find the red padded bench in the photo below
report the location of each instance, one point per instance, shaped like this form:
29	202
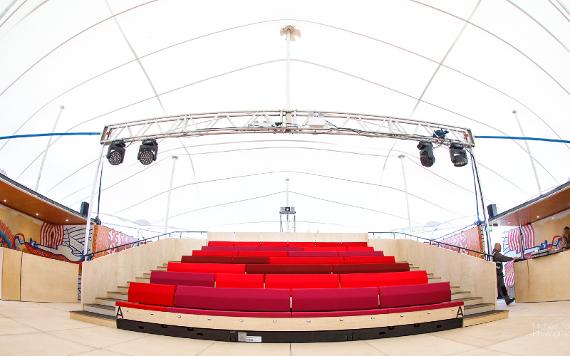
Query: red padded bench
262	253
224	253
405	296
288	269
206	267
371	268
182	278
369	259
306	260
301	281
152	294
271	302
236	280
315	300
222	259
353	280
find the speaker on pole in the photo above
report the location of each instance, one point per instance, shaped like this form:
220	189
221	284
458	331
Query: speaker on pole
492	210
84	208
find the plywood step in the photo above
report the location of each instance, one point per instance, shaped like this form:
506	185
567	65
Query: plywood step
485	317
459	294
99	309
93	318
469	301
479	308
120	294
110	302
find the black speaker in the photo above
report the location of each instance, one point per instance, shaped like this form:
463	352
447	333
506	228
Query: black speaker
492	210
84	208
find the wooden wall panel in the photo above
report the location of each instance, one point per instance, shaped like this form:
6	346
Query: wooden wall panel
48	280
11	267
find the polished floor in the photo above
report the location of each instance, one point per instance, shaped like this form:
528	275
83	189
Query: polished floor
45	329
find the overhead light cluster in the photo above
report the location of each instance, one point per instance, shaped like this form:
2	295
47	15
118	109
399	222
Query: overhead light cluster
457	152
148	152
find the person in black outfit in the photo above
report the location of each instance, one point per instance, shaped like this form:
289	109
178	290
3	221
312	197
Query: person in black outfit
499	258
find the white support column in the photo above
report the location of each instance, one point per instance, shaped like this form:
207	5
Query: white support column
401	157
174	158
93	192
529	153
290	33
47	148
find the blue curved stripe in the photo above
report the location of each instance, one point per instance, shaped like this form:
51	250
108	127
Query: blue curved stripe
525	138
6	239
51	134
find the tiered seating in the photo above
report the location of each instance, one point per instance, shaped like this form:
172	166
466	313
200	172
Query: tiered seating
287	280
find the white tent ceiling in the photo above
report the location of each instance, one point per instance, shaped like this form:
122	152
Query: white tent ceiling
465	63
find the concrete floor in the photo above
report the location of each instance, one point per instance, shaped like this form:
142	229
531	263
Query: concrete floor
45	329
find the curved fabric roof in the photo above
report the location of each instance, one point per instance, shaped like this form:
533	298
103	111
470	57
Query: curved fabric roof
466	63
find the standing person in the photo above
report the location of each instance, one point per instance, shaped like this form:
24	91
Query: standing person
499	258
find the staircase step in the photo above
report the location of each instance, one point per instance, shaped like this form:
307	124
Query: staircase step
485	317
479	308
142	279
120	294
146	275
110	302
93	318
123	288
161	268
468	301
459	294
99	309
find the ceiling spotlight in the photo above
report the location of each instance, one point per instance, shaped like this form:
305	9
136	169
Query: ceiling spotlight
116	152
148	152
458	155
426	153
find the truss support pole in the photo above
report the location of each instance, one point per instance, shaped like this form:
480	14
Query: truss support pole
290	33
401	157
174	158
91	198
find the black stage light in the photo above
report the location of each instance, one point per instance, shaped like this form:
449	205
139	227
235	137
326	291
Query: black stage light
148	152
458	155
116	152
426	153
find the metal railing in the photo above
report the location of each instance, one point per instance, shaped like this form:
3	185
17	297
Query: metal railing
201	235
402	235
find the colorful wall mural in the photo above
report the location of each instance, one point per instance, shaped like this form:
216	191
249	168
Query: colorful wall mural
61	242
106	238
470	238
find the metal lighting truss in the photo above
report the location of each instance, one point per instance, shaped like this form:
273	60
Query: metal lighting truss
282	121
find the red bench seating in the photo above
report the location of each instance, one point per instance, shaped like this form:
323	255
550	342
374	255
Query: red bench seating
206	267
369	259
152	294
301	281
371	268
182	278
353	280
405	296
236	280
235	299
334	299
224	259
306	260
288	269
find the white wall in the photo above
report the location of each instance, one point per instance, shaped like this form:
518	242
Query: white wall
107	272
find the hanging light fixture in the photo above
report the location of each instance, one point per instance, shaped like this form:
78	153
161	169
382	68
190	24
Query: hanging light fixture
148	152
458	155
116	152
426	153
